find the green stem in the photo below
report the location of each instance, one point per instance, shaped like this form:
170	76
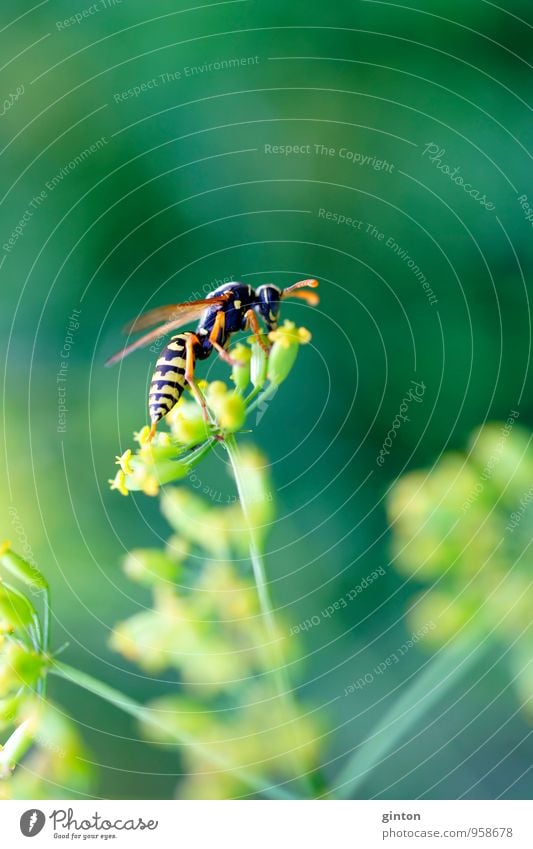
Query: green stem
281	679
46	617
17	746
255	552
439	676
197	454
260	384
267	393
45	637
253	394
150	717
46	631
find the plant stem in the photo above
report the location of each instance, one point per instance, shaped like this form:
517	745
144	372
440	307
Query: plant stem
150	717
256	558
46	617
46	633
197	454
267	393
440	674
282	683
17	746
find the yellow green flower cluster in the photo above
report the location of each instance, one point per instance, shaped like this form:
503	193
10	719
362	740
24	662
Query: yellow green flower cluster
36	731
205	623
462	529
23	663
57	763
195	630
284	739
173	453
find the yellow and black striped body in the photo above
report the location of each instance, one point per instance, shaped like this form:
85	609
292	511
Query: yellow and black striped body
168	381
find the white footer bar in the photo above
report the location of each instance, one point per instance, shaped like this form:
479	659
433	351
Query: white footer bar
268	825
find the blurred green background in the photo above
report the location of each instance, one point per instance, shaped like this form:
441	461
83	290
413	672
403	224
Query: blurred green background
184	190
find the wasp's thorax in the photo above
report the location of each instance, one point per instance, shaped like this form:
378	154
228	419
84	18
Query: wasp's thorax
268	304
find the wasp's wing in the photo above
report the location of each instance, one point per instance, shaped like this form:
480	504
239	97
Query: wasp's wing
144	340
181	314
188	311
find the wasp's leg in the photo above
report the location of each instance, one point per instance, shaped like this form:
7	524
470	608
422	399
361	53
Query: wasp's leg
152	432
255	327
218	327
193	340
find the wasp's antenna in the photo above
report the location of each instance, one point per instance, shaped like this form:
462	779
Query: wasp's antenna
294	292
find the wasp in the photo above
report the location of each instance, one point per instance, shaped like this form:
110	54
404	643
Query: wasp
230	308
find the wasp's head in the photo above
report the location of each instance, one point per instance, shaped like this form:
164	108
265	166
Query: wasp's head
268	304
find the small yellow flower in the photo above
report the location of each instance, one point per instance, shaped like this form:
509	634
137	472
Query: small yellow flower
189	427
216	390
150	485
142	436
4	547
147	452
119	482
289	334
287	340
241	353
172	415
201	384
124	461
231	412
228	407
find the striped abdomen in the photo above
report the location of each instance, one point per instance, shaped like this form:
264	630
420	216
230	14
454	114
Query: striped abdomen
168	380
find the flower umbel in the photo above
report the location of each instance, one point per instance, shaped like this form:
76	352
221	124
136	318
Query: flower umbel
171	455
454	527
212	619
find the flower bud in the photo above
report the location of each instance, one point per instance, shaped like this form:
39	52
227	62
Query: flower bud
119	483
19	667
441	615
188	425
175	716
9	709
154	464
240	373
177	549
215	390
196	521
258	366
19	568
149	565
184	511
57	757
124	461
16	612
501	453
143	436
287	340
234	598
156	639
228	407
